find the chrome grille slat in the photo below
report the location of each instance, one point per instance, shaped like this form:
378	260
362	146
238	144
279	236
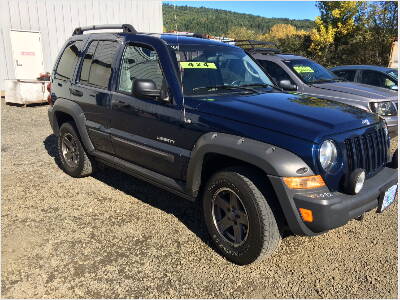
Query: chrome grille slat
368	151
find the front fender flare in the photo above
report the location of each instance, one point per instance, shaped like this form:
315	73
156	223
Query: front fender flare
271	159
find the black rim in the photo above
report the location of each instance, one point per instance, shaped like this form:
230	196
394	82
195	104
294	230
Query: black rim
230	216
69	150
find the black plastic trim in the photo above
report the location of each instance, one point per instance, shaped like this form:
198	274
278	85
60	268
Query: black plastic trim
167	183
271	159
75	111
330	210
166	156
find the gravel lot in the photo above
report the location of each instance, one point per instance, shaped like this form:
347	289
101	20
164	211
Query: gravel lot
114	236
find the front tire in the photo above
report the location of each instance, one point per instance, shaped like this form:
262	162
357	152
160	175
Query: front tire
239	220
72	155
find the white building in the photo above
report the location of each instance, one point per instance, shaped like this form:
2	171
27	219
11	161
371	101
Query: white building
32	31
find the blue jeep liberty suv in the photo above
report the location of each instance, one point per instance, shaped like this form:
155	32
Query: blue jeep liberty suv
201	119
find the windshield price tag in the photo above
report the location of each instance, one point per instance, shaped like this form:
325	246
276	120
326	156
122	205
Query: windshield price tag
303	69
197	65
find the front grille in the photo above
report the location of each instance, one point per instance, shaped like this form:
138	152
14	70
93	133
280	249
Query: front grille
368	151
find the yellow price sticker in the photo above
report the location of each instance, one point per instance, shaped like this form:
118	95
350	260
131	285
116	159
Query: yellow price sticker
303	69
197	65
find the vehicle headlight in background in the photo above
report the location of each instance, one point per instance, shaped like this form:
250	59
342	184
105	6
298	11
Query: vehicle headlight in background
385	108
327	154
385	128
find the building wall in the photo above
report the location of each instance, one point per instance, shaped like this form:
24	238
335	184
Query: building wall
56	20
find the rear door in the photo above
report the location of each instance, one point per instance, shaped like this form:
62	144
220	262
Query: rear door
92	90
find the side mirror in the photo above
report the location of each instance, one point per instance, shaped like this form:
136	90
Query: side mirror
146	88
287	85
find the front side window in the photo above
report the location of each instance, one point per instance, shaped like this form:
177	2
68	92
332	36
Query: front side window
377	79
310	72
217	69
96	66
69	58
139	62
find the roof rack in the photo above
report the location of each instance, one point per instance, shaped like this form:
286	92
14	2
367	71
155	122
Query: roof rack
254	46
127	28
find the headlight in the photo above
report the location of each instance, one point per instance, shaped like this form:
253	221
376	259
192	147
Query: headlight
327	154
385	108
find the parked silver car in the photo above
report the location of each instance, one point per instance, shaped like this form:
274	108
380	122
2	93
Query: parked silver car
298	74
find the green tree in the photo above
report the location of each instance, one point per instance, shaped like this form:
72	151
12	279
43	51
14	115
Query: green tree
241	33
354	32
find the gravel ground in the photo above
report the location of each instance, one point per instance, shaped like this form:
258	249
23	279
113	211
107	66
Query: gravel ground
114	236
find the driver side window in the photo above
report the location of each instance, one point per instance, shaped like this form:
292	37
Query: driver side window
139	62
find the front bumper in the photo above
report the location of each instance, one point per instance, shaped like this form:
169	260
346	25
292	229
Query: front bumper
330	209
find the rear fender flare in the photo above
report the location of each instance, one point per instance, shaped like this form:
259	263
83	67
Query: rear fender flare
75	111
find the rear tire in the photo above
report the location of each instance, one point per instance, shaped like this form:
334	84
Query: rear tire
239	219
72	155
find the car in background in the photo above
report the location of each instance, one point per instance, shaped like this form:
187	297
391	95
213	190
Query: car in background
367	74
299	75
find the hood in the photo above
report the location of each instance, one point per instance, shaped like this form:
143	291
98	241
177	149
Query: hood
304	117
358	89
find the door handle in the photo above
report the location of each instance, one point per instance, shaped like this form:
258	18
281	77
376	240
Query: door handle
76	92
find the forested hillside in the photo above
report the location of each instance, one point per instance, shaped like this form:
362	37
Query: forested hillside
219	22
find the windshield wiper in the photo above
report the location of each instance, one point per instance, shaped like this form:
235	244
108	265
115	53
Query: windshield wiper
262	85
322	80
224	87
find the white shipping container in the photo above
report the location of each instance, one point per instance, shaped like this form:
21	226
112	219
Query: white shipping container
25	91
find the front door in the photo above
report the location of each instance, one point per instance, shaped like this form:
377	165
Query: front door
27	54
145	130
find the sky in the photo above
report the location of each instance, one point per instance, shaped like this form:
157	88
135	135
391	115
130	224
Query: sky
270	9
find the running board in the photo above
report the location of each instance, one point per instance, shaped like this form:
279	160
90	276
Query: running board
176	187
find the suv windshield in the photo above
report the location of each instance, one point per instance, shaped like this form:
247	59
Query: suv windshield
218	69
311	72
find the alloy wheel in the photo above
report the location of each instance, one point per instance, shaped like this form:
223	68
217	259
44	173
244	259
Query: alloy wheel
230	216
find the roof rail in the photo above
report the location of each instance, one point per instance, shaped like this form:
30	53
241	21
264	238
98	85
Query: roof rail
254	46
128	28
189	34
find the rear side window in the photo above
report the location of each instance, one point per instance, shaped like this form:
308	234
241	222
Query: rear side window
66	64
87	62
346	74
96	66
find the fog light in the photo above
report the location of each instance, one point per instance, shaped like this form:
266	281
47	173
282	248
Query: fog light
356	181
